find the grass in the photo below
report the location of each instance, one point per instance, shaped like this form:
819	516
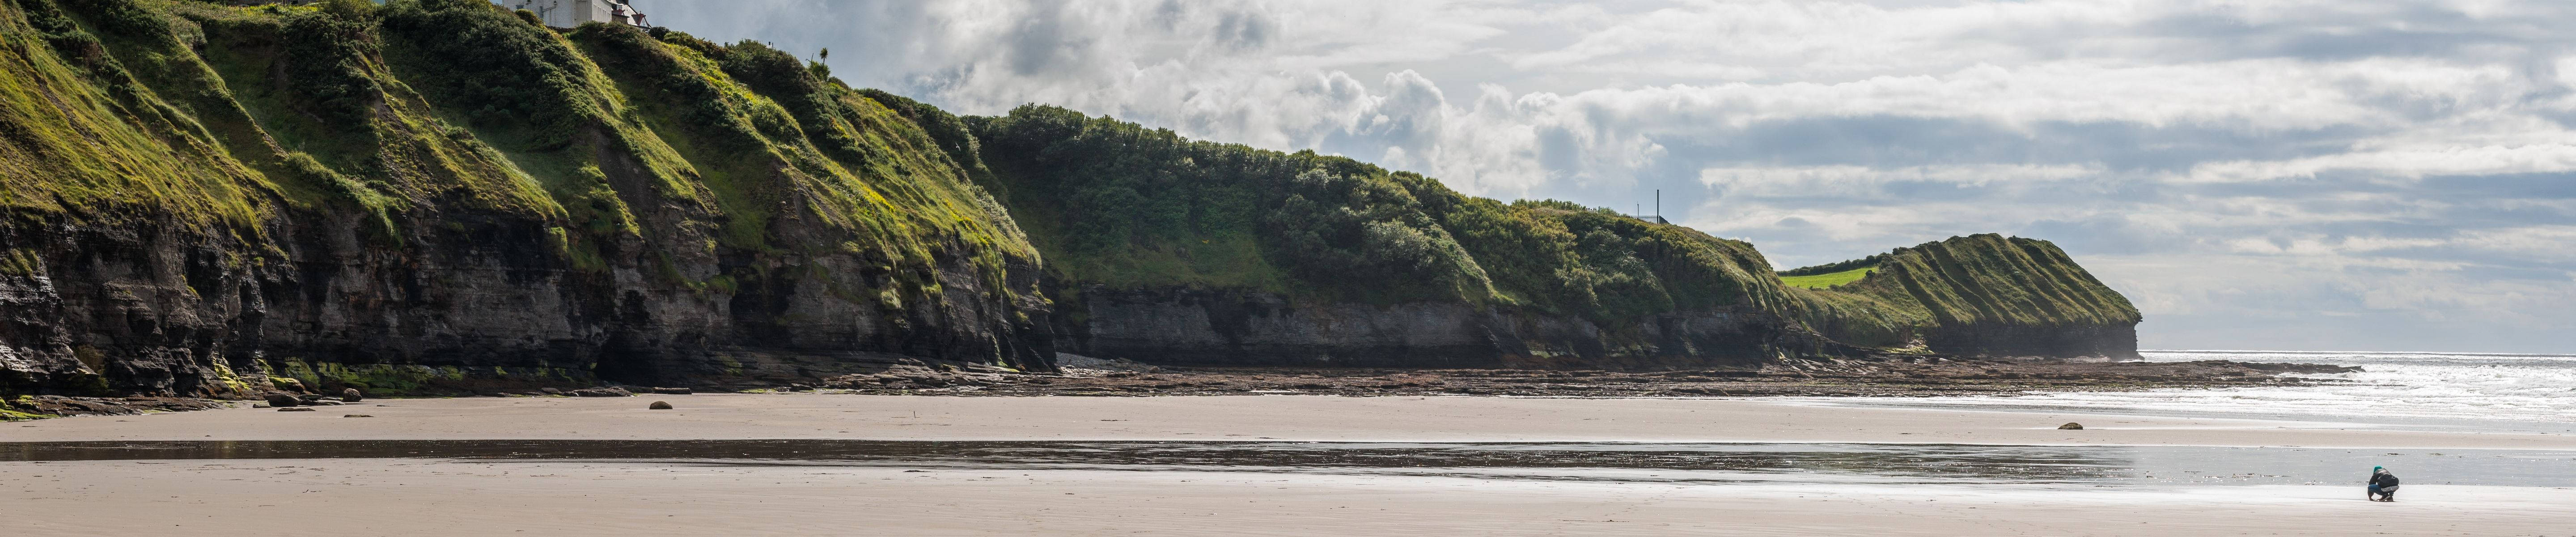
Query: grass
1830	279
740	167
79	135
1116	204
729	169
1982	279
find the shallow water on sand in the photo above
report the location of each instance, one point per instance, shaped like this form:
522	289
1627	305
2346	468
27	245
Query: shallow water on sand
2414	390
1599	462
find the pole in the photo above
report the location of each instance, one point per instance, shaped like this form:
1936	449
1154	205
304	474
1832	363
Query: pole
1659	203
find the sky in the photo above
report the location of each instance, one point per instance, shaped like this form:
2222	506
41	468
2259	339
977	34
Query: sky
2286	174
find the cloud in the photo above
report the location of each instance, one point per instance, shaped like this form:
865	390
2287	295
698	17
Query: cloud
2283	174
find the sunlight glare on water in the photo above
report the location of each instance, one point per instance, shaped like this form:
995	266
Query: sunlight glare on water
2510	387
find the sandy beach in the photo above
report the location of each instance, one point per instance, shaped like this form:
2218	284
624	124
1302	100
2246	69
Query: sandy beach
1307	418
378	496
425	498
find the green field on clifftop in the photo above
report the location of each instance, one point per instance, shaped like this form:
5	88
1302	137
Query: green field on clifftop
1830	279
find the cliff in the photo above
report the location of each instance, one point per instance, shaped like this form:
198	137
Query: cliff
1979	294
1174	251
439	195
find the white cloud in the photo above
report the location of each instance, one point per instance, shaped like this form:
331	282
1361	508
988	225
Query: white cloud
2291	161
2410	163
1845	179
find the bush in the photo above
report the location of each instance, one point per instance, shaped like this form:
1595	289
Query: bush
494	67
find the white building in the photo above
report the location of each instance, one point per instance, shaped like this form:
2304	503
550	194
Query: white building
570	13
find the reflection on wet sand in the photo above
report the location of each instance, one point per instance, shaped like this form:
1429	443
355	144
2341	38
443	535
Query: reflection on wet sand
1627	462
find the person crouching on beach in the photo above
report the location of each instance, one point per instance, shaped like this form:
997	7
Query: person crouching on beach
2383	485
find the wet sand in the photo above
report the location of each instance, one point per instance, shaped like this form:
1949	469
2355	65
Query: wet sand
399	497
1312	418
479	497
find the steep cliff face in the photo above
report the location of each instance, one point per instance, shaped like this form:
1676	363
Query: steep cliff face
440	196
1181	326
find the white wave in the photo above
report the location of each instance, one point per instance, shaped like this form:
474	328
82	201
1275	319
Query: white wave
2518	387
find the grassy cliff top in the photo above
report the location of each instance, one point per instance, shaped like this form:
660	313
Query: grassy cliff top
1118	204
1976	279
1827	279
218	118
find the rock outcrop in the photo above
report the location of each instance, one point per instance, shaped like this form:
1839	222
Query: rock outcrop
1236	328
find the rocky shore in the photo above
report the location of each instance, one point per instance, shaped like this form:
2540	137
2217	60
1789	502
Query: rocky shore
55	406
1884	376
1881	376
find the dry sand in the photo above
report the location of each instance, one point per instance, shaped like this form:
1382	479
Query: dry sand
426	497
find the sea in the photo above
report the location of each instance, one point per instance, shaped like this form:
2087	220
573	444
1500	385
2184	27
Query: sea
2412	390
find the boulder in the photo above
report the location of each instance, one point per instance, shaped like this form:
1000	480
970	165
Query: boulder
2071	426
602	392
673	391
296	409
658	405
550	391
282	400
352	395
322	402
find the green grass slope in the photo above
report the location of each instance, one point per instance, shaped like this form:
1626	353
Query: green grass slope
1976	280
751	183
223	116
80	133
1117	204
643	160
1829	279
